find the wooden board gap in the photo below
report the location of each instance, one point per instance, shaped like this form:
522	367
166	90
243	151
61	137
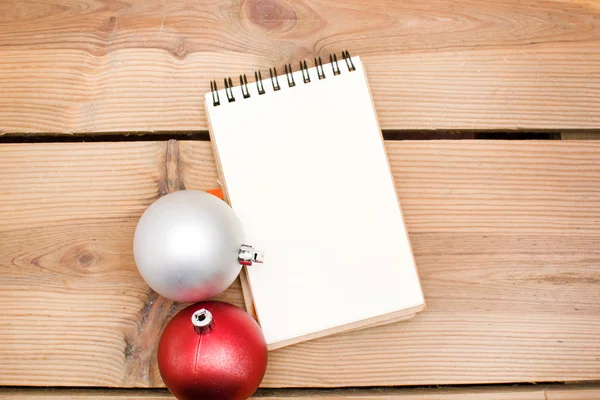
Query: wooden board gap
204	136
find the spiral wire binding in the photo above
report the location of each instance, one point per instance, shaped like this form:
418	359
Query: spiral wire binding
334	64
244	85
305	75
290	76
259	85
215	93
348	60
319	67
274	79
333	60
228	89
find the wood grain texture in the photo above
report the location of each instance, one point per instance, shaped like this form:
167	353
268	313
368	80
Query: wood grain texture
574	393
487	393
77	394
506	238
74	310
136	65
541	392
506	241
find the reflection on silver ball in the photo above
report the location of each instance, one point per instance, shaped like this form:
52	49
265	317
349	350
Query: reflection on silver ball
186	246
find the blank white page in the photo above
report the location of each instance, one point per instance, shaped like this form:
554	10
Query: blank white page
305	169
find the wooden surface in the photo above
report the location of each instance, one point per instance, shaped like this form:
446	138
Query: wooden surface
143	65
574	394
73	309
506	238
482	393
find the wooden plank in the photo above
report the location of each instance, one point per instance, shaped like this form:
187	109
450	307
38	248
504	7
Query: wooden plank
77	394
506	238
136	65
491	393
74	310
50	394
579	392
574	393
507	263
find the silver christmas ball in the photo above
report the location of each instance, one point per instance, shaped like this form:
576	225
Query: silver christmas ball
186	246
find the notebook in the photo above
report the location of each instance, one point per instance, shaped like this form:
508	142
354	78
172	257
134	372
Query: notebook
303	164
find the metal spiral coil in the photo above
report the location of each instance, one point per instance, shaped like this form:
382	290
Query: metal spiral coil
318	66
228	89
306	78
244	85
259	85
289	75
348	60
305	74
334	64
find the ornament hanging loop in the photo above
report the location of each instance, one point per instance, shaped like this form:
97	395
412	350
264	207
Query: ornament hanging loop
202	321
249	255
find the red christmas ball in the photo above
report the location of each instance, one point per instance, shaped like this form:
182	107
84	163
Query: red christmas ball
210	351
